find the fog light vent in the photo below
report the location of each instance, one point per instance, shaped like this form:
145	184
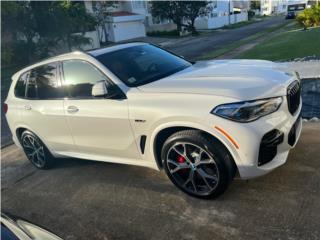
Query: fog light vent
268	146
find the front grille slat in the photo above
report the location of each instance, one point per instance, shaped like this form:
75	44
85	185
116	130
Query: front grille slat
293	96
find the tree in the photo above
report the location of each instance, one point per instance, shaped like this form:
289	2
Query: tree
192	10
18	31
255	5
32	29
310	16
74	19
182	13
101	12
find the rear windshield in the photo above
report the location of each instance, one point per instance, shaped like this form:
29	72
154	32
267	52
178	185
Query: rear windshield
138	65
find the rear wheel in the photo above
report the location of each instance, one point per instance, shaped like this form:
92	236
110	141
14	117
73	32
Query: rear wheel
36	151
197	166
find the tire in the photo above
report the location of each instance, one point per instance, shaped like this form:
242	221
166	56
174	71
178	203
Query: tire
36	151
197	165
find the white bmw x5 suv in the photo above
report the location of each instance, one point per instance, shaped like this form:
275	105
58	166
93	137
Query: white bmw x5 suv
138	104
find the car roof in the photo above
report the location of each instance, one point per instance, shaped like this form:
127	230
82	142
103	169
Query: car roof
101	51
77	54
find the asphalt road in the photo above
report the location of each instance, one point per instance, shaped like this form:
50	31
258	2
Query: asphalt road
196	46
90	200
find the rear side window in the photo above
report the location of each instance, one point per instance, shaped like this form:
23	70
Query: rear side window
44	83
20	88
80	77
32	89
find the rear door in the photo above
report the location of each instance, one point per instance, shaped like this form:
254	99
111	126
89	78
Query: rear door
42	110
100	126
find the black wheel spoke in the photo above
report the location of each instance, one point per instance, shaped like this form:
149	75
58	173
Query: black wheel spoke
192	168
34	150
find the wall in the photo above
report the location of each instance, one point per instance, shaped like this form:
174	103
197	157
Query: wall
217	22
241	17
161	27
121	31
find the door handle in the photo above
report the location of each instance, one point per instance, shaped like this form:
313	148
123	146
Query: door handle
72	109
27	107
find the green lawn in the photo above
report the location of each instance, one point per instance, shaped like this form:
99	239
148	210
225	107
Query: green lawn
287	45
216	53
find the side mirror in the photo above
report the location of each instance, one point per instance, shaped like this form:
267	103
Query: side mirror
99	89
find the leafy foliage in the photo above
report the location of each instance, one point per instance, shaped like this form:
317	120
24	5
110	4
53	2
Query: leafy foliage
255	5
182	13
33	29
310	16
101	10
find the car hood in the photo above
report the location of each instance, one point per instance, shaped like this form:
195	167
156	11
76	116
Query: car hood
241	79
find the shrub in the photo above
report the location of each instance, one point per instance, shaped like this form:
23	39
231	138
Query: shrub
310	17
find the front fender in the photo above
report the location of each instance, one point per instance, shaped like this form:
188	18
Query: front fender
193	125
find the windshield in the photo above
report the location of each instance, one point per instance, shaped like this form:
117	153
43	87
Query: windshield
138	65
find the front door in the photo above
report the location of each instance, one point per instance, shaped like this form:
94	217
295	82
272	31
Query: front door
100	127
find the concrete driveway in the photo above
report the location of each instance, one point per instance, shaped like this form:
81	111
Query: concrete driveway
89	200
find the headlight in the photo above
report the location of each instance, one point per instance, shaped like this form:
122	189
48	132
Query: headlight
248	111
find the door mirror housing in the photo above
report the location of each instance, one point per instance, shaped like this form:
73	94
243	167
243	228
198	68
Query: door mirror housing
99	89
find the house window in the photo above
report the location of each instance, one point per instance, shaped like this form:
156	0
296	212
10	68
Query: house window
138	4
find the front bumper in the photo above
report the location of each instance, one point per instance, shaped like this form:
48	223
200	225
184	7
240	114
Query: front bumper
249	136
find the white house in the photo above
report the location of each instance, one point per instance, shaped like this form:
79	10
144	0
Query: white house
268	7
132	19
128	19
298	5
124	20
223	13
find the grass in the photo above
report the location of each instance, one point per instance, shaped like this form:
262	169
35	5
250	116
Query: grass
235	45
287	45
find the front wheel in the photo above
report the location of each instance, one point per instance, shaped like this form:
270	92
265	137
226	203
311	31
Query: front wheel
36	151
198	166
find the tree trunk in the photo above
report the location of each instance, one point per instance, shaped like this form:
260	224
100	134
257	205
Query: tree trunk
179	27
192	28
29	46
69	43
105	32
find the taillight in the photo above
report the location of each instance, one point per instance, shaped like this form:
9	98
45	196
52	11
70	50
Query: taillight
5	108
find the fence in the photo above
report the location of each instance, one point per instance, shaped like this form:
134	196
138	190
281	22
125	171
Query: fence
220	21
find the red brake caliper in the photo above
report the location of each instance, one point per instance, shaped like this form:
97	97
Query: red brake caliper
181	159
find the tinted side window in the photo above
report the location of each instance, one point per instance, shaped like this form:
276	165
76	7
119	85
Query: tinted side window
20	88
32	88
80	77
44	83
